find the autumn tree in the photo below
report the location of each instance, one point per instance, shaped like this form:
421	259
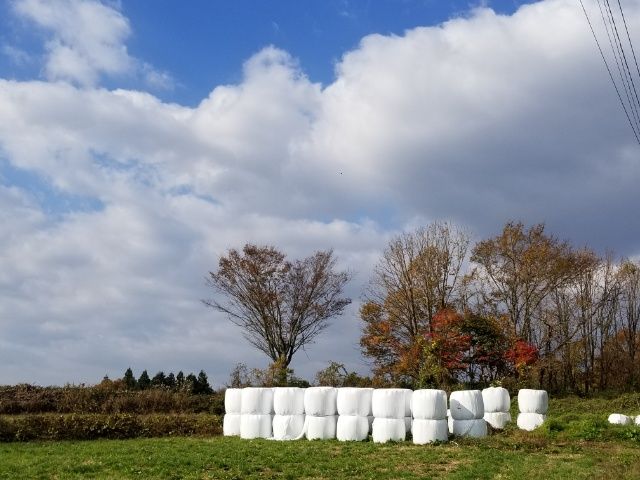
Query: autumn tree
280	305
629	277
418	275
521	267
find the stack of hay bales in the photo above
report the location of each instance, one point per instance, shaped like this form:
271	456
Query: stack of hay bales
533	406
619	419
429	409
288	405
389	406
257	409
232	412
496	407
467	411
354	408
320	410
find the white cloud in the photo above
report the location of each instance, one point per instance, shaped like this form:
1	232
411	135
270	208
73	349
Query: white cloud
480	120
86	39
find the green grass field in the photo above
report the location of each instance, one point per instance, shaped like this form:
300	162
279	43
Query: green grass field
575	443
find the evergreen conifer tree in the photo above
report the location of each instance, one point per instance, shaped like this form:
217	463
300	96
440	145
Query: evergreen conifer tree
144	381
129	380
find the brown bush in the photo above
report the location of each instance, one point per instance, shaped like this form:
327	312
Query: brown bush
116	426
110	398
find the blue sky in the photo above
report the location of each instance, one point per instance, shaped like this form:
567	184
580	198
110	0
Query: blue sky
141	140
204	43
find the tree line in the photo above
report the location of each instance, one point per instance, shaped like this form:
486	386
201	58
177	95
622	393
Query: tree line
521	307
192	384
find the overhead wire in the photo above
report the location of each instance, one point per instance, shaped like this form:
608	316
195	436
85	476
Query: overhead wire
633	93
624	21
604	59
617	56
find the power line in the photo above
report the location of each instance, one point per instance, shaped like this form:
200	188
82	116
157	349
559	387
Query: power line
625	66
617	56
604	59
624	21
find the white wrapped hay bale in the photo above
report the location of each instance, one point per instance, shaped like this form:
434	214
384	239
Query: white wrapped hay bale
530	421
354	401
288	401
389	429
496	399
231	425
533	401
255	426
429	404
321	428
497	420
389	403
352	428
637	421
475	428
257	401
429	431
619	419
320	401
287	427
233	400
466	405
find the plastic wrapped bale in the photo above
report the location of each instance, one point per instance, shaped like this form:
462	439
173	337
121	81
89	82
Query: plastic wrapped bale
352	428
475	428
619	419
257	401
496	399
233	400
429	404
321	428
388	430
389	403
255	426
429	431
354	401
530	421
637	421
497	420
533	401
320	401
231	425
288	401
287	427
466	405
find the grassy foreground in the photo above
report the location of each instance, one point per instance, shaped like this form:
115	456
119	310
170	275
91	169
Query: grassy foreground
576	442
218	457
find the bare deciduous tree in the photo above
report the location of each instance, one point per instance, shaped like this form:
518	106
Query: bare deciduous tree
522	267
280	305
418	275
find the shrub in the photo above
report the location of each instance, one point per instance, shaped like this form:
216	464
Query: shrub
115	426
107	397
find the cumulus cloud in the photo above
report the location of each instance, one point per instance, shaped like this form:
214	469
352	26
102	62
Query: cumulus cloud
480	120
86	39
